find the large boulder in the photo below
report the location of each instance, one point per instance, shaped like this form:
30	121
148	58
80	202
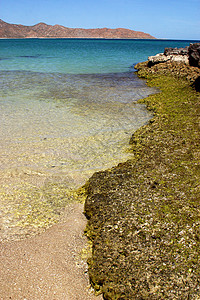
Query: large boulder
194	54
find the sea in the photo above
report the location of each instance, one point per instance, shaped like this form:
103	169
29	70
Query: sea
68	108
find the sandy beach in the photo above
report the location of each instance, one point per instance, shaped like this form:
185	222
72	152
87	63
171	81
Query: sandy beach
49	265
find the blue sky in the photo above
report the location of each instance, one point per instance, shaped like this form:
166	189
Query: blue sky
172	19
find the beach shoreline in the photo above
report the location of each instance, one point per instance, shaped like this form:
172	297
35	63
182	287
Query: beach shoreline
124	264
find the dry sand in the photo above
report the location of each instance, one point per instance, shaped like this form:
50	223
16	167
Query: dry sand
49	265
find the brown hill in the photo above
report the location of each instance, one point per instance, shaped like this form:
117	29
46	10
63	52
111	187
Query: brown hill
42	30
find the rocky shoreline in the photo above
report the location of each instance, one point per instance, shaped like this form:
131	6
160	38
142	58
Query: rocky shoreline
182	62
143	215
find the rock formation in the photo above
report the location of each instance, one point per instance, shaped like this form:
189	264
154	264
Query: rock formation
182	62
170	54
188	55
42	30
194	54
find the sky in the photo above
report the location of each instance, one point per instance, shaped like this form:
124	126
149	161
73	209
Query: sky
171	19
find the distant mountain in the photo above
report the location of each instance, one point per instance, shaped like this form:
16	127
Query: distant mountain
42	30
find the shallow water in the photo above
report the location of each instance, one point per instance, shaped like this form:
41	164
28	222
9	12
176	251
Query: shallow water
68	124
67	109
58	129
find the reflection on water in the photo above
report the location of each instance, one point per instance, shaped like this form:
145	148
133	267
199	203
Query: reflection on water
56	130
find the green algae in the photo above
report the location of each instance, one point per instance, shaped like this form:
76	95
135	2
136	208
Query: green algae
143	215
28	209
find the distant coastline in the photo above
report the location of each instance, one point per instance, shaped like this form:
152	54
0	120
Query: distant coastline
42	30
94	38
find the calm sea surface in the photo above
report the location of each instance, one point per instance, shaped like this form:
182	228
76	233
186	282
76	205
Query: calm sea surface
67	108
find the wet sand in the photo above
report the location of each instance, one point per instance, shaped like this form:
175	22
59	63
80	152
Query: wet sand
49	265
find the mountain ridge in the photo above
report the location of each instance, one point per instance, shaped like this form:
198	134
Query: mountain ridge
43	30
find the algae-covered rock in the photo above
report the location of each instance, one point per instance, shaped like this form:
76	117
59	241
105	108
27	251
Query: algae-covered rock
180	70
182	62
143	215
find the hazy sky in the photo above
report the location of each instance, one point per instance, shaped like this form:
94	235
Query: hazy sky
173	19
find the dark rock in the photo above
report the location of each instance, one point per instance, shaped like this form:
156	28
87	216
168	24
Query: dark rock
197	84
194	54
176	51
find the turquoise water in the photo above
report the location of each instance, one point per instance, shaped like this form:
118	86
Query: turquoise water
78	56
67	109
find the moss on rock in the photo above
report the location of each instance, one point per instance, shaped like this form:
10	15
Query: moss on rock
143	215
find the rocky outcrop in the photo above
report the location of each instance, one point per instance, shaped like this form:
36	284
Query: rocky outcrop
194	55
162	58
179	70
176	51
188	55
170	54
182	62
42	30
